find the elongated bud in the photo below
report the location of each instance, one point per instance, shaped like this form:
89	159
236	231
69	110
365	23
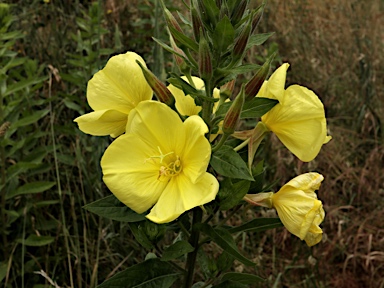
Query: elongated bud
238	12
179	60
171	20
233	114
241	43
227	89
197	24
161	91
257	17
205	60
253	86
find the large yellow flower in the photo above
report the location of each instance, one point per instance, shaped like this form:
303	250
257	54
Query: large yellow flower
112	93
297	205
185	104
299	209
160	162
298	120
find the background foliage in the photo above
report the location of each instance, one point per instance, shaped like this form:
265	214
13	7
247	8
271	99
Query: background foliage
49	169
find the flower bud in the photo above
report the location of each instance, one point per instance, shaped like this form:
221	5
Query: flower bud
161	91
241	43
253	86
197	24
179	60
205	61
258	14
227	89
238	12
171	21
233	114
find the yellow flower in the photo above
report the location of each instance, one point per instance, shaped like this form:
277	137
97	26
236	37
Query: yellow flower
160	162
297	206
185	104
298	120
112	93
299	209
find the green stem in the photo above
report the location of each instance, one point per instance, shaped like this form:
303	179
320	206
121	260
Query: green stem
221	142
242	145
207	105
194	241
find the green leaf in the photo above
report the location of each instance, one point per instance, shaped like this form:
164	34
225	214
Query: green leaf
140	235
36	241
177	250
228	163
257	107
222	238
257	225
231	194
230	284
258	39
30	119
223	35
225	261
3	270
242	278
152	273
110	207
183	39
31	188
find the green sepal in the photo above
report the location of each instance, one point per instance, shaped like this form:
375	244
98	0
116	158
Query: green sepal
228	163
224	239
110	207
150	273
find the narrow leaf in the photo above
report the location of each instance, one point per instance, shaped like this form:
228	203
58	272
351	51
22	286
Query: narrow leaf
31	188
258	39
233	193
222	238
257	225
257	107
177	250
30	119
224	35
242	278
228	163
110	207
36	241
152	273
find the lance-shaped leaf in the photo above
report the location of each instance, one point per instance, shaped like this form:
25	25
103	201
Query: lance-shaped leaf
257	225
223	36
258	39
242	278
231	194
222	238
177	250
110	207
150	273
228	163
30	188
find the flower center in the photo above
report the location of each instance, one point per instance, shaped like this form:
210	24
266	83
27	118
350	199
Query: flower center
170	164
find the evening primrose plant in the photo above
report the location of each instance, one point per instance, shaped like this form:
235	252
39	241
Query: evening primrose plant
181	162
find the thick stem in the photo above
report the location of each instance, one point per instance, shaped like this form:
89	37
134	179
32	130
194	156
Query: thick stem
207	105
194	241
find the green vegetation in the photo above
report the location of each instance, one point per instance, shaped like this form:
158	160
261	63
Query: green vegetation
49	169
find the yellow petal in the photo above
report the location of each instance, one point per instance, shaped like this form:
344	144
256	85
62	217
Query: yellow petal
120	85
197	150
157	125
130	174
276	83
103	122
308	182
299	123
185	104
181	195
